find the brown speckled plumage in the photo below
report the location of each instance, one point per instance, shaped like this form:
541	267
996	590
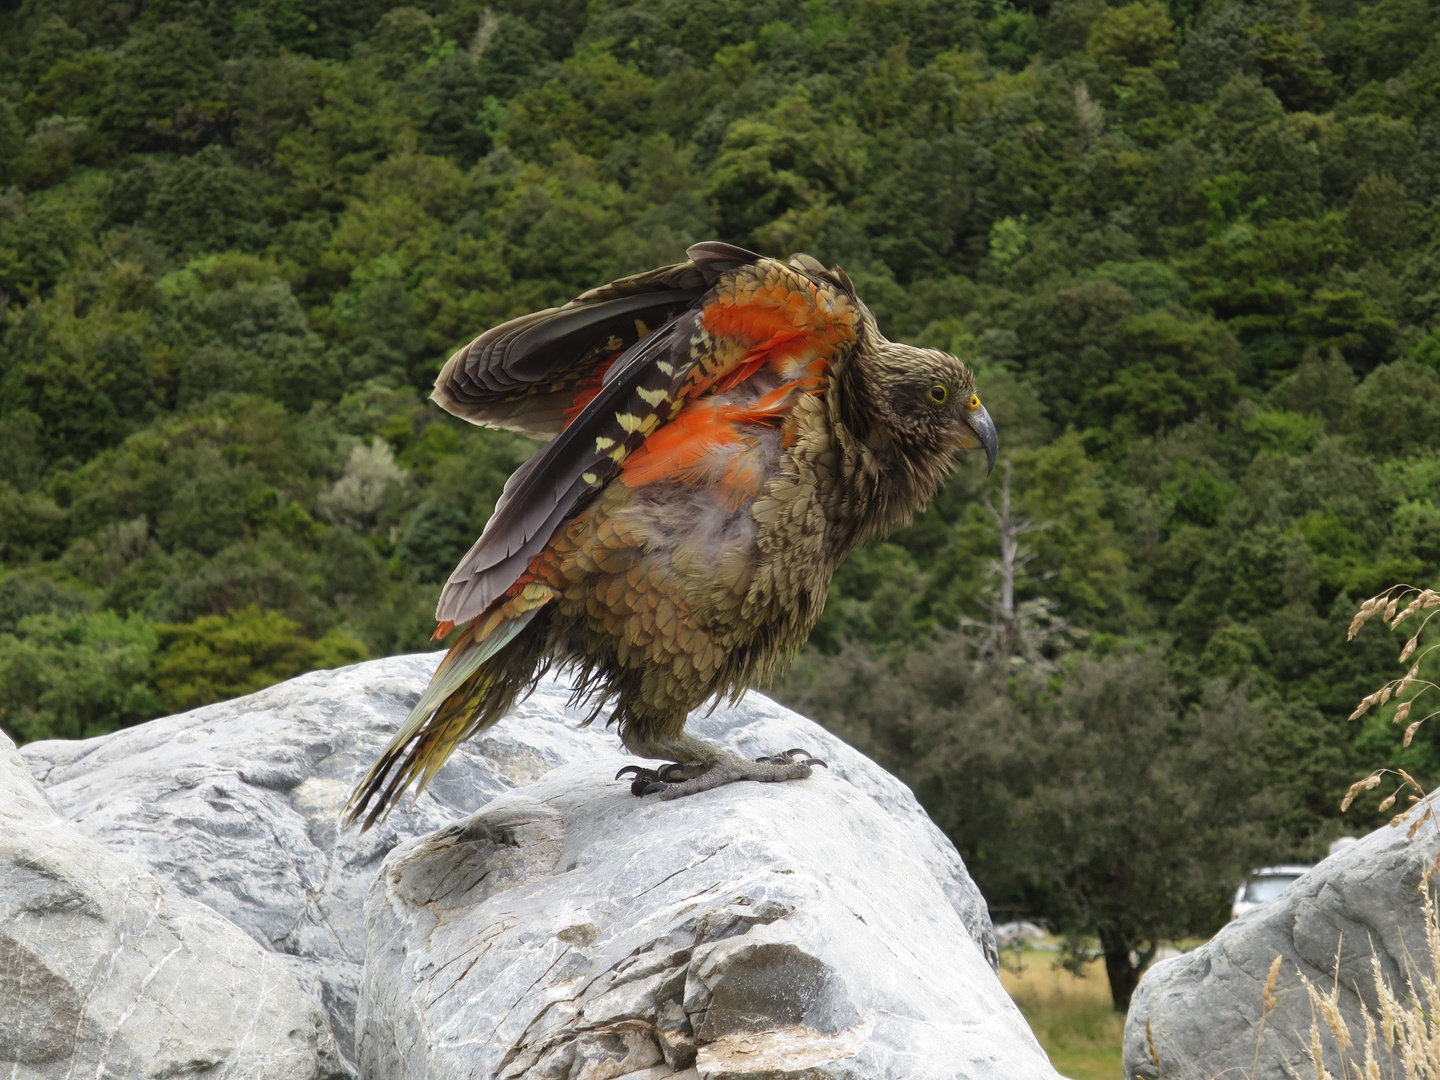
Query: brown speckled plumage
726	430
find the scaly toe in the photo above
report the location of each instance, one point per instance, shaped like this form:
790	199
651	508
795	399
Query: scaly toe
731	768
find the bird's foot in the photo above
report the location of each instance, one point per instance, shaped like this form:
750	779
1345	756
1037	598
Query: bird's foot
678	780
651	781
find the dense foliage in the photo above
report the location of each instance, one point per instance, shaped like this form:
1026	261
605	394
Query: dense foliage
1193	249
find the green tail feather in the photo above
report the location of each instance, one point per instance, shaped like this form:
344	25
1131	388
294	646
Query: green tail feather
431	731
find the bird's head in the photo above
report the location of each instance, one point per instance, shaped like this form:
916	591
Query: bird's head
928	401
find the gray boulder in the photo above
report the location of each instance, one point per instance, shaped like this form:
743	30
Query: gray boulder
236	804
754	932
1203	1008
103	971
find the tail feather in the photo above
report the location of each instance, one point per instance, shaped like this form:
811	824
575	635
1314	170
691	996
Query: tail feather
459	701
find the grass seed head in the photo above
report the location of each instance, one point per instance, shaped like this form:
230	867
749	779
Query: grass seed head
1364	706
1369	783
1424	889
1425	816
1361	618
1267	995
1367	610
1317	1053
1372	1066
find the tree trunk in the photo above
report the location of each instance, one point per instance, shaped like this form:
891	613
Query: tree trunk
1123	974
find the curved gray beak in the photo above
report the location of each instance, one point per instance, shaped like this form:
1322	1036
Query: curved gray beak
984	429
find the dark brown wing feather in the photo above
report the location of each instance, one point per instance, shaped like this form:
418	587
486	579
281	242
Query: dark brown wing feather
524	375
546	489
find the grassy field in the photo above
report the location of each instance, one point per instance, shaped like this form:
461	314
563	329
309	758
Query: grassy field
1072	1017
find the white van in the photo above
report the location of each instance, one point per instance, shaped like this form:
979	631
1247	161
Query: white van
1264	885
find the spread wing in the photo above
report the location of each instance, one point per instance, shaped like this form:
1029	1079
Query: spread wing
751	311
534	373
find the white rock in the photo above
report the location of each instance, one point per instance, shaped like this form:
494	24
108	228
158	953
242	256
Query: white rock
236	804
756	931
1016	935
1204	1007
104	972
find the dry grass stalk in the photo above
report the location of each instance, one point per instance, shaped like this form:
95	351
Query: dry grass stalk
1372	1066
1267	993
1389	601
1150	1039
1416	794
1329	1006
1426	815
1405	1022
1267	1004
1317	1053
1410	687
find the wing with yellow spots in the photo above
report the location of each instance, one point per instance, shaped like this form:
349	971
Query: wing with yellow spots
755	312
534	373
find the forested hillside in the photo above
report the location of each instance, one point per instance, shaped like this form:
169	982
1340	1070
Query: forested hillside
1193	250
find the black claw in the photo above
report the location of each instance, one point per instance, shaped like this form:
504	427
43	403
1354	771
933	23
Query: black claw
664	771
652	788
789	757
636	769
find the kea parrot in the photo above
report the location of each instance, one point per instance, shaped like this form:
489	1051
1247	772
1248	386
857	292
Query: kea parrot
721	433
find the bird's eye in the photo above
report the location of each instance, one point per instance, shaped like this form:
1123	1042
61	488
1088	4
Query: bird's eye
938	393
973	403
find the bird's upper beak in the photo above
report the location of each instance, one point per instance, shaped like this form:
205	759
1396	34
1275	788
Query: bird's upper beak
984	428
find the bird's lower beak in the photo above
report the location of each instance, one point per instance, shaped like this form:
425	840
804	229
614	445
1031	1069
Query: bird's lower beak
984	429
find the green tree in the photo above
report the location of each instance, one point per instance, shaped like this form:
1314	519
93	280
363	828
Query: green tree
208	204
76	676
1092	795
165	91
223	656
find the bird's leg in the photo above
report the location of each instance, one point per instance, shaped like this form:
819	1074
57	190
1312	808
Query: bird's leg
700	766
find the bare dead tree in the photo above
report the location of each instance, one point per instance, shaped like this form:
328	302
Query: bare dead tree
1015	629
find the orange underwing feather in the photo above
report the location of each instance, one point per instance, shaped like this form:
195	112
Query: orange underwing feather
589	391
778	328
706	444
